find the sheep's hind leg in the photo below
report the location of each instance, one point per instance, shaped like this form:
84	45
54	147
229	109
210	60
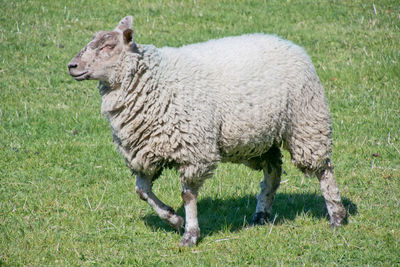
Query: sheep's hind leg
331	193
272	176
144	190
192	230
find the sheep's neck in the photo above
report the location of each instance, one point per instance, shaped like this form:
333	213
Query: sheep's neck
134	105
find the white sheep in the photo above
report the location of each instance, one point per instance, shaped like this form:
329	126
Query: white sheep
236	99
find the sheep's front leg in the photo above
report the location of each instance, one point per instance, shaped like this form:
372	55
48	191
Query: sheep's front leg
144	190
192	230
331	193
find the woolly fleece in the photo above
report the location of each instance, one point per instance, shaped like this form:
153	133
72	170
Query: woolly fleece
223	100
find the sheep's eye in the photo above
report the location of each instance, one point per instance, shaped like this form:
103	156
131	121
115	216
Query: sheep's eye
108	47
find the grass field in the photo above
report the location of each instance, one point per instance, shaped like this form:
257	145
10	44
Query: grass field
66	197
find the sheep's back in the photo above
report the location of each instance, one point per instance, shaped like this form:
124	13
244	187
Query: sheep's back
248	83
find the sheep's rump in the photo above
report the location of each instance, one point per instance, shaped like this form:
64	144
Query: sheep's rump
257	90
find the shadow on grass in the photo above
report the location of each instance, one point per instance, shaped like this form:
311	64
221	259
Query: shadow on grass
233	214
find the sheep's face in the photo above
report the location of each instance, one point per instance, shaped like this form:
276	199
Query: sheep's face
98	58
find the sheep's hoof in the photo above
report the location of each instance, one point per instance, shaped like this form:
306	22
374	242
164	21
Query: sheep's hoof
176	222
190	238
338	218
260	218
173	219
335	223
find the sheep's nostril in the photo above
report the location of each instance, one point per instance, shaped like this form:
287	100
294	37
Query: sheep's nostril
72	65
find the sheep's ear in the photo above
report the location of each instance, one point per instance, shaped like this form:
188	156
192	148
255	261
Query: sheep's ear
128	37
124	24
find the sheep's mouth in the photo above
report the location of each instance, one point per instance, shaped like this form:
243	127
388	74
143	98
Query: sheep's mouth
80	76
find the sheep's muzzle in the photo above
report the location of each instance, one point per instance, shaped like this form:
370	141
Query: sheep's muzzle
77	70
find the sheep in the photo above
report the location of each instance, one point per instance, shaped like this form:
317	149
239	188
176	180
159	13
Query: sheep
236	99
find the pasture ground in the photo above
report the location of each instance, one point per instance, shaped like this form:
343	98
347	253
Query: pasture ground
66	197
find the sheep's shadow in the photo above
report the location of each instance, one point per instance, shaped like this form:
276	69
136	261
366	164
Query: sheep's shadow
234	214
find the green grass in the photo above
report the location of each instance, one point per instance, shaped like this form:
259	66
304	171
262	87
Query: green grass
66	197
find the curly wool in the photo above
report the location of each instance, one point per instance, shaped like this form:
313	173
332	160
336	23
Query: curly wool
223	100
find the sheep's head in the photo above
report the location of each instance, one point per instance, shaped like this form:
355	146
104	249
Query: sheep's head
100	56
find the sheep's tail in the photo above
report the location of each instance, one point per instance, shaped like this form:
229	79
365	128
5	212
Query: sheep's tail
309	136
